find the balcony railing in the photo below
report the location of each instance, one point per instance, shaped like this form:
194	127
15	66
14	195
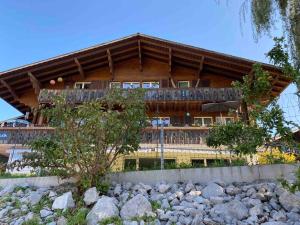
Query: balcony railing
157	94
150	135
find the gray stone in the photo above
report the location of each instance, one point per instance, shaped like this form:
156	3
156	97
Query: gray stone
279	216
163	188
256	210
118	190
274	223
45	212
29	216
7	190
136	207
91	196
62	221
51	223
212	190
64	201
289	200
34	197
103	209
3	212
232	190
234	209
189	186
165	204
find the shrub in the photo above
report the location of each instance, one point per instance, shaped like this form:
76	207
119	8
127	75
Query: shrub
88	138
275	156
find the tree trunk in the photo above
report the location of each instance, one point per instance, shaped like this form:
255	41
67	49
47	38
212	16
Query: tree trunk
295	28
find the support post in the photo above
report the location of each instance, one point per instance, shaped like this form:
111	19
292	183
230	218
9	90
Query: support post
162	145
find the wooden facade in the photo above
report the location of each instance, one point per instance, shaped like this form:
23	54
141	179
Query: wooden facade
188	79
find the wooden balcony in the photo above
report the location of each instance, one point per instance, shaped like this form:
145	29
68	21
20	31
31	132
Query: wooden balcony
158	94
151	135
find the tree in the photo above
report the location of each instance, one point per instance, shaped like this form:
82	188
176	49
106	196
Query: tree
266	118
263	16
88	138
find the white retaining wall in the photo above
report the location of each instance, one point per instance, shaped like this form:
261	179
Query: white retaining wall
200	175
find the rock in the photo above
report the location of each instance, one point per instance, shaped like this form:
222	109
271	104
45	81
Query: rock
7	190
289	200
212	190
216	200
45	212
52	194
234	209
189	186
279	216
163	188
118	190
29	216
274	223
62	221
138	206
51	223
3	212
91	196
103	209
64	201
256	210
232	190
165	204
197	219
34	197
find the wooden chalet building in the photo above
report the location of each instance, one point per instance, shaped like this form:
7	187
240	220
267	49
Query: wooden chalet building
188	89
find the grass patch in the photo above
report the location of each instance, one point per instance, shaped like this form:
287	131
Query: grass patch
155	205
115	220
33	221
9	175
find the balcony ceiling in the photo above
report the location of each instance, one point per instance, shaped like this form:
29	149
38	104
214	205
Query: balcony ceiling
16	81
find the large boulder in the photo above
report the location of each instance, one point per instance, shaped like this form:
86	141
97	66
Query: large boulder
103	209
34	197
64	201
289	201
234	209
212	190
138	206
91	196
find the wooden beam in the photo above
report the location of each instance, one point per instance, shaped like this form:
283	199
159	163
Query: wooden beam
170	61
35	83
200	67
110	63
12	92
140	55
200	71
81	72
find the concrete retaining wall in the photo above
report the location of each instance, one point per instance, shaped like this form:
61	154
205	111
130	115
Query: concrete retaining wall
201	175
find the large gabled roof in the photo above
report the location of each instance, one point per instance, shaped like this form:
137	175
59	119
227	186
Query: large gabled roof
16	81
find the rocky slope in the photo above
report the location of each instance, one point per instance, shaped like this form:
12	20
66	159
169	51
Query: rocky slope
181	203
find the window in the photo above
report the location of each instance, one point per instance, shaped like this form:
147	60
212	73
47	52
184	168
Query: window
196	163
224	120
82	85
129	164
130	85
152	84
158	121
183	84
115	84
203	121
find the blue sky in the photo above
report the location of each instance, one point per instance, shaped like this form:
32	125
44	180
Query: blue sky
34	30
